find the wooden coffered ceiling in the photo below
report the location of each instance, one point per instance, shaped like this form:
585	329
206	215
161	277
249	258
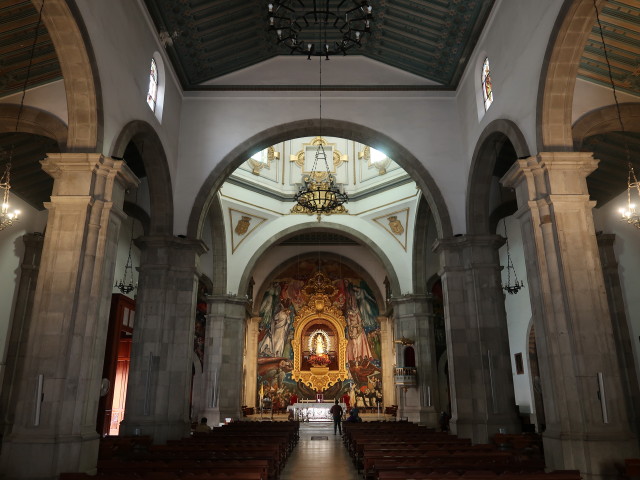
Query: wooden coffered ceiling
429	38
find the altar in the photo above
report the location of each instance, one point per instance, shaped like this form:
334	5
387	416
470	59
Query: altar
314	411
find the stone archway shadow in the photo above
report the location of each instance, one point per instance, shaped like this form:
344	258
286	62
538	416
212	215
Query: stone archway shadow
326	226
306	128
157	170
481	171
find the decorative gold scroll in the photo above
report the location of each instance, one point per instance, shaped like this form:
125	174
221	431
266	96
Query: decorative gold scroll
319	309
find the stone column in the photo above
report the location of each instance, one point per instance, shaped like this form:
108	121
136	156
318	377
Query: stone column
18	336
414	321
159	385
223	357
250	393
624	346
388	361
56	405
587	424
480	376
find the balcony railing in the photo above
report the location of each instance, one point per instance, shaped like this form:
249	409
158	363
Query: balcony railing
406	376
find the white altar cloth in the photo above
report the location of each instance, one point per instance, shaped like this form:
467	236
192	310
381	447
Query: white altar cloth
314	411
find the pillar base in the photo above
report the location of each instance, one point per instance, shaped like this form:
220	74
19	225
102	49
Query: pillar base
593	454
45	457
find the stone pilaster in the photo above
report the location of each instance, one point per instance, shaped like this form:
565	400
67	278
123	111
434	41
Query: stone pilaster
480	376
18	338
624	346
66	338
223	356
250	393
162	350
414	321
388	361
586	418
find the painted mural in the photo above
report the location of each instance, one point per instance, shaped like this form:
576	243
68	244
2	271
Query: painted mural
278	309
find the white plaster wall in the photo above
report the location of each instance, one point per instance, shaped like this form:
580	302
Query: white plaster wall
518	308
123	44
589	96
11	252
50	97
398	258
341	70
628	255
213	123
515	39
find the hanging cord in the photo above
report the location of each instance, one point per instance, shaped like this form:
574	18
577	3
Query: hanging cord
26	80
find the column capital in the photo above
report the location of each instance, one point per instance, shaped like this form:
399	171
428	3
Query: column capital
552	173
73	173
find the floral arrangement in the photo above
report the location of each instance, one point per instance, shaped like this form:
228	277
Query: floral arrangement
319	360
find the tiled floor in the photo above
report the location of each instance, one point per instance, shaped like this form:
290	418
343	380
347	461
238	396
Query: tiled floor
319	454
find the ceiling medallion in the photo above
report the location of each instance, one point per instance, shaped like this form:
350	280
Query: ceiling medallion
308	28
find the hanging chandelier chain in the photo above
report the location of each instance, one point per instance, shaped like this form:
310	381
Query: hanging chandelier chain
31	55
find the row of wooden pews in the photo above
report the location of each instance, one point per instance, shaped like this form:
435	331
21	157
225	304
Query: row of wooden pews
238	451
402	450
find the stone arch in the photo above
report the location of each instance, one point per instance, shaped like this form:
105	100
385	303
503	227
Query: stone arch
305	128
218	248
77	64
420	247
481	171
33	120
157	169
326	226
559	72
328	255
604	120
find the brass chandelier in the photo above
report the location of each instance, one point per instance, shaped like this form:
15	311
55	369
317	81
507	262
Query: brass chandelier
319	192
293	23
7	217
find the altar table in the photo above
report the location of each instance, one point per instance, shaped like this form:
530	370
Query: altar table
314	411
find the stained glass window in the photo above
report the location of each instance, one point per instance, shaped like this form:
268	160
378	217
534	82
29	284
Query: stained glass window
152	94
487	87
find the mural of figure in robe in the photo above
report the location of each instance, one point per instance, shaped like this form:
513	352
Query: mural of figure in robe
280	326
282	300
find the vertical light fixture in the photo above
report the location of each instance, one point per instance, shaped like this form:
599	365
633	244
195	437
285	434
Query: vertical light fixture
125	284
516	286
7	216
319	193
628	213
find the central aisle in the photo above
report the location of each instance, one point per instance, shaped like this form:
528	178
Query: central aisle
319	454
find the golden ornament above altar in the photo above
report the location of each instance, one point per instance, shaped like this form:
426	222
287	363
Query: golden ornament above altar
319	336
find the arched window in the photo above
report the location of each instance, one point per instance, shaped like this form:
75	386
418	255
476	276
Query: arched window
487	87
152	94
